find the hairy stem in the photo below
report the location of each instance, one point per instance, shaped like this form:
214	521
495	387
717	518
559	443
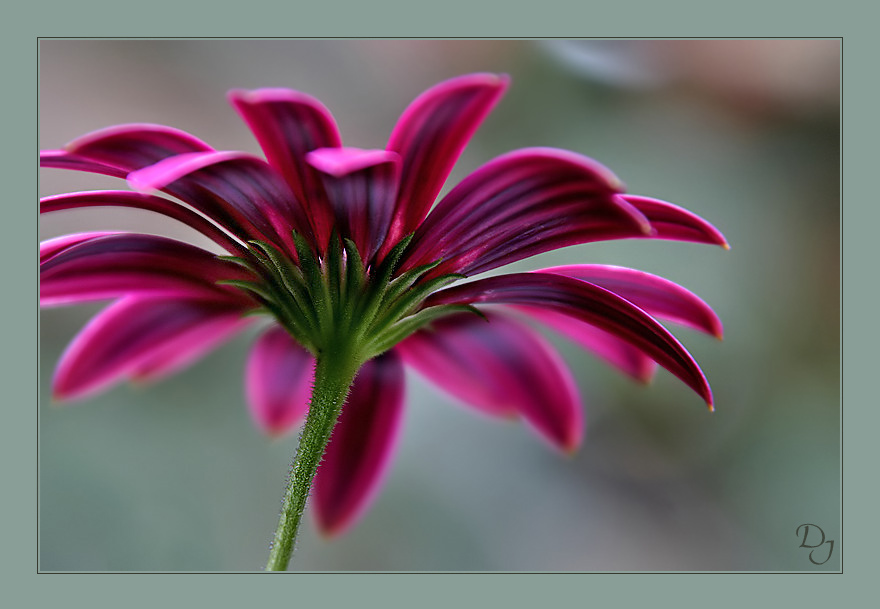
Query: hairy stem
334	373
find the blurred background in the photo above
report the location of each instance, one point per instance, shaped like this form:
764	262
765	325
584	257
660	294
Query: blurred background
744	133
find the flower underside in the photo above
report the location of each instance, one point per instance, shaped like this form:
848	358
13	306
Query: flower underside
351	254
337	303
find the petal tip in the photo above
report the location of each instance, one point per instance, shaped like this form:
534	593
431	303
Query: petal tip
571	448
719	238
235	94
715	327
485	79
138	379
329	533
275	435
63	395
277	431
273	430
568	444
331	528
136	182
710	399
502	81
645	378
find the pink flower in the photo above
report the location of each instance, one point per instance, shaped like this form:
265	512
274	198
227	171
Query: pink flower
340	246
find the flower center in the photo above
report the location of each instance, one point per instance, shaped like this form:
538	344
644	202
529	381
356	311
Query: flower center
337	303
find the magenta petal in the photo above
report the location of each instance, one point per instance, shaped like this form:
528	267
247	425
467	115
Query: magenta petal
657	296
238	191
361	186
619	353
188	347
126	148
588	303
172	169
117	151
430	136
672	222
111	265
51	247
278	380
502	367
288	125
461	363
520	204
63	159
124	198
130	334
340	162
360	449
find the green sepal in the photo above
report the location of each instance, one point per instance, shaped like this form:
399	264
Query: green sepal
404	281
260	255
249	286
407	326
386	268
308	263
293	324
242	262
374	295
290	278
333	261
314	279
335	301
377	299
410	300
309	267
355	274
256	311
286	270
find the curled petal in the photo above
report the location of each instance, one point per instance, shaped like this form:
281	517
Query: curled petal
619	353
588	303
503	368
520	204
358	455
63	159
127	337
125	148
278	380
676	223
288	125
238	191
124	198
657	296
430	136
361	186
51	247
111	265
117	151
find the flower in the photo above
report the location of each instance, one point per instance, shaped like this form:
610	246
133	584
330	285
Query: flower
341	249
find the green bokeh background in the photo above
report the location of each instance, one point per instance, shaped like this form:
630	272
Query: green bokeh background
745	133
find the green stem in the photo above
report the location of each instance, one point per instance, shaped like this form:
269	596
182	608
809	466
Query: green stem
334	374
